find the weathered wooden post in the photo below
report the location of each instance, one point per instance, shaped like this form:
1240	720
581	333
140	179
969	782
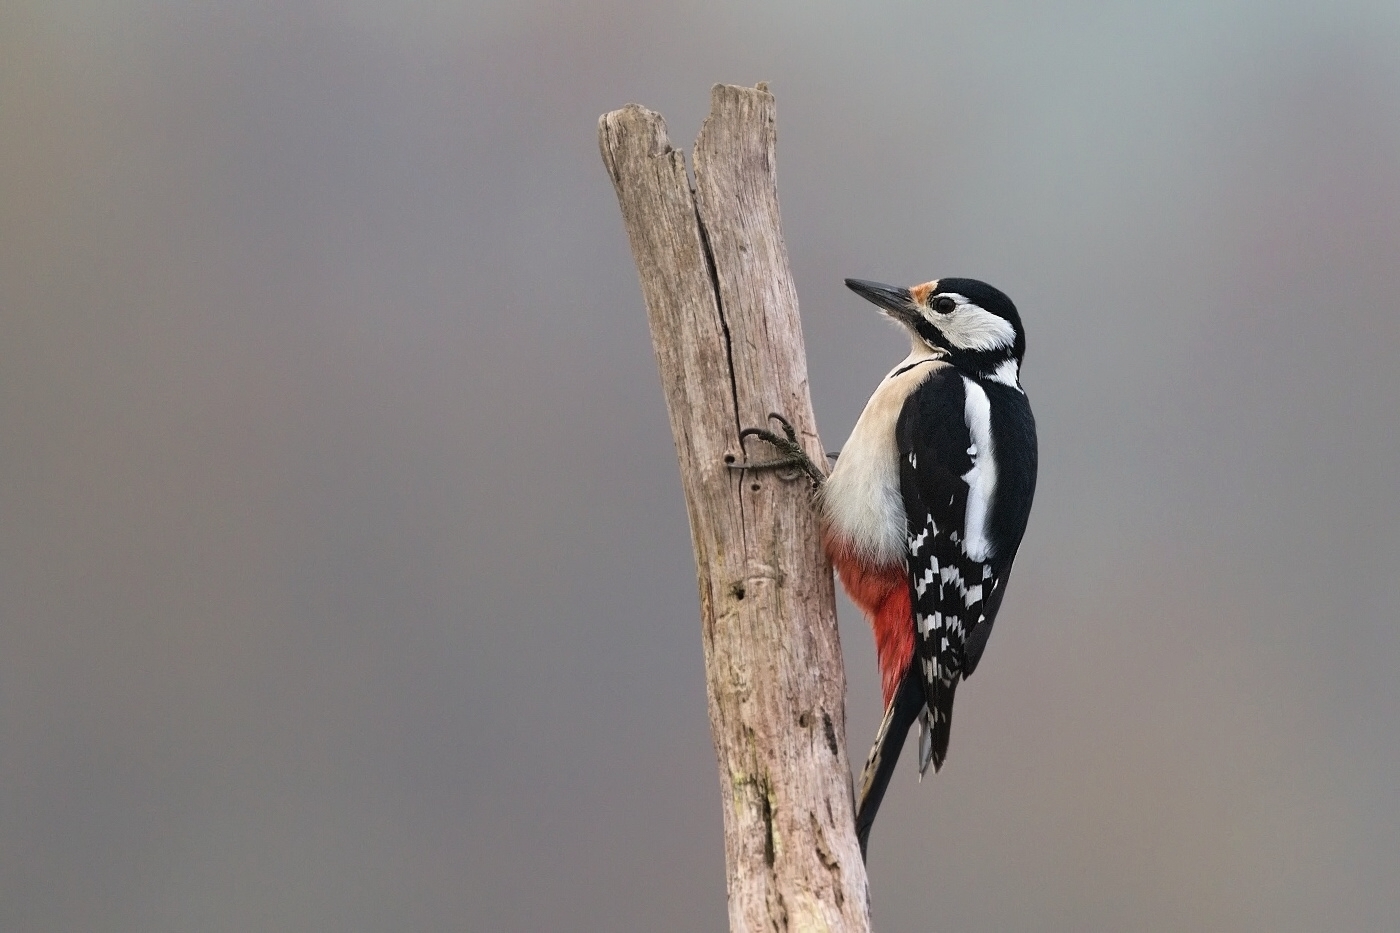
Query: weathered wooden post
723	312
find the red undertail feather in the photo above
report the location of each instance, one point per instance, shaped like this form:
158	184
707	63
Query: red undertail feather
882	593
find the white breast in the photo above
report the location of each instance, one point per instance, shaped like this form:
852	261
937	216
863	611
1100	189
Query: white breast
861	499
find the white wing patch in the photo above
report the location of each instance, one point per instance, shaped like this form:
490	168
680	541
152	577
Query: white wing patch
981	479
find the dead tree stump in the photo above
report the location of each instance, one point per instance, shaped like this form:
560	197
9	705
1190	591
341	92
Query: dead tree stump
723	313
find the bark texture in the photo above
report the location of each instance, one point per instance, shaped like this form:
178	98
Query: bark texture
723	313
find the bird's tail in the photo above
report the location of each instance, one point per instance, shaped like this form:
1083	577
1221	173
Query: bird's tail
936	725
904	708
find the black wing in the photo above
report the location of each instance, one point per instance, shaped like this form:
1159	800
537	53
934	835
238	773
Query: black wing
1017	463
954	597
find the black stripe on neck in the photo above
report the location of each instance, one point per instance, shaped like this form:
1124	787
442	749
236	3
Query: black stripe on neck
904	369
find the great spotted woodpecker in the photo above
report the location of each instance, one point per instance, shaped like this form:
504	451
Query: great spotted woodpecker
927	504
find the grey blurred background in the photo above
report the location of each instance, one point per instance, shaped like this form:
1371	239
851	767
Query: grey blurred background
344	575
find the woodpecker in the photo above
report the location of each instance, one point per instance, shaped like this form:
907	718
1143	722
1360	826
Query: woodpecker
926	506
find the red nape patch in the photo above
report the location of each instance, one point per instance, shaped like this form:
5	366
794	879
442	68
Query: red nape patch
882	593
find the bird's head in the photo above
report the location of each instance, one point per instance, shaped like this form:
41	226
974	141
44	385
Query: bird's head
973	323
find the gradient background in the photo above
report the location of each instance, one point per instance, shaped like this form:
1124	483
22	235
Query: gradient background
344	575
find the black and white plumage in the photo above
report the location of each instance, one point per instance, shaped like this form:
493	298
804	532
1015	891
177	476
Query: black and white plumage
928	503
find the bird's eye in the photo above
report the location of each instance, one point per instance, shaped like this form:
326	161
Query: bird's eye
944	305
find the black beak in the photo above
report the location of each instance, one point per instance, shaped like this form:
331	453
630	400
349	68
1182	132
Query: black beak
897	302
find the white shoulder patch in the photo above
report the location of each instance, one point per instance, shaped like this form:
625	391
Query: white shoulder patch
1008	374
981	479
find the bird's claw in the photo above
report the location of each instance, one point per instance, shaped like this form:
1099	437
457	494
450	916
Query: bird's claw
769	436
793	456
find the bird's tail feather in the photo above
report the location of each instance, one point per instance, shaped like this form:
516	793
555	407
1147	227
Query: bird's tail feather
937	726
904	708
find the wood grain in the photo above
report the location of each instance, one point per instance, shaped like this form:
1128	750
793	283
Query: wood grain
723	312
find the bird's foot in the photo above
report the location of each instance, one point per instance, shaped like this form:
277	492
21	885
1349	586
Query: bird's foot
793	458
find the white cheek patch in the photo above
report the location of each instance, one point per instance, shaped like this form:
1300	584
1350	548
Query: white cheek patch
972	327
